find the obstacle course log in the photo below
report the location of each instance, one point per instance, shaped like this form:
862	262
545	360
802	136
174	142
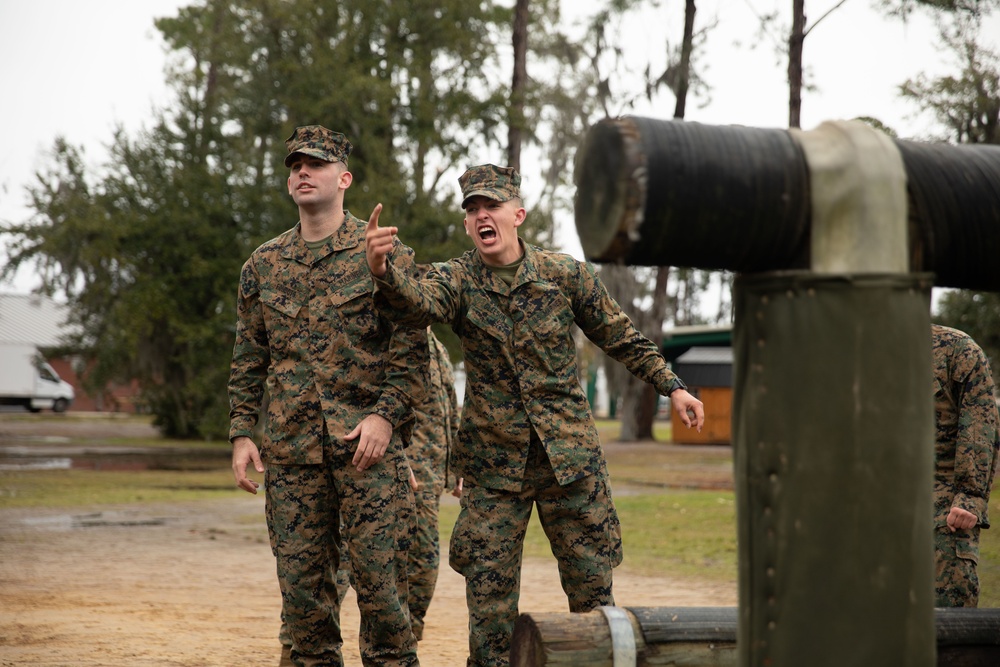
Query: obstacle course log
706	637
685	194
676	193
954	212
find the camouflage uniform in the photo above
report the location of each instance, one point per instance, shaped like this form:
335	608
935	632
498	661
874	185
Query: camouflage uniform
434	431
966	457
527	436
307	329
335	584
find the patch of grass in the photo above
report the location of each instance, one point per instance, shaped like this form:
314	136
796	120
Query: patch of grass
989	555
693	533
109	423
609	430
74	488
221	446
683	533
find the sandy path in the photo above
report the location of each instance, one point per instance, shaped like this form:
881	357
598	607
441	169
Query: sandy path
194	586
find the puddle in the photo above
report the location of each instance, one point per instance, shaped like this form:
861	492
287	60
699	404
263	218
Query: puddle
62	522
48	439
51	456
38	464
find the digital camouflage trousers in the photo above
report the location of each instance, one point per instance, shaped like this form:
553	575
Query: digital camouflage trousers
956	558
582	527
305	507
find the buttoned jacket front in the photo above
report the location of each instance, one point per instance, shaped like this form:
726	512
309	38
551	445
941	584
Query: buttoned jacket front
307	327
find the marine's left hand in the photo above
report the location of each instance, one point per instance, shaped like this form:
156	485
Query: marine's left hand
959	519
373	434
683	402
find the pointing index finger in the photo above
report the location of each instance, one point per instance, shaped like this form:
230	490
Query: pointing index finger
373	220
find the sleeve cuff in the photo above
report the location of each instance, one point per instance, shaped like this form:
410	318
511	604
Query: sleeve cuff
392	409
675	384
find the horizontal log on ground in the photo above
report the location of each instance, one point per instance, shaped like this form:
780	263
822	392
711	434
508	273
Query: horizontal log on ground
654	192
706	637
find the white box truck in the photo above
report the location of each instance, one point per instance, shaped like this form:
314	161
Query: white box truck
27	379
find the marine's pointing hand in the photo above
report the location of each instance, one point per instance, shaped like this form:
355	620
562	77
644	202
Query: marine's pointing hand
378	243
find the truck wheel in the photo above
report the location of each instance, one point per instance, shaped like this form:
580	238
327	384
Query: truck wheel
60	405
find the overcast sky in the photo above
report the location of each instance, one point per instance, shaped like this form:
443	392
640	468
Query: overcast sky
78	68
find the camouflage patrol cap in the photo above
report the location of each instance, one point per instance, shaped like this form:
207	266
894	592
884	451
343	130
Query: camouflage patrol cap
317	141
489	180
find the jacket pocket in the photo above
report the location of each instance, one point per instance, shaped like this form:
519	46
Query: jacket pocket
355	308
281	316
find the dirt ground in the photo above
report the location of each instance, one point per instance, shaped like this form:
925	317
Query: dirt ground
193	585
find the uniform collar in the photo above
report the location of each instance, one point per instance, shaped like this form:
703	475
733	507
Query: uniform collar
349	235
526	273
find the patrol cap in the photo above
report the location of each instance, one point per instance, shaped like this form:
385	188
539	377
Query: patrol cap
317	141
489	180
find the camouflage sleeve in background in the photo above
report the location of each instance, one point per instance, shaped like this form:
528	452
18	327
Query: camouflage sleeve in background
966	450
432	440
448	379
406	378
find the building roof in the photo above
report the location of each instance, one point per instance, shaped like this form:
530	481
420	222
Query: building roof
679	340
707	355
31	318
706	367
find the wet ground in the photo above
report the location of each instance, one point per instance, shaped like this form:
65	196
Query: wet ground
90	441
99	441
192	584
55	456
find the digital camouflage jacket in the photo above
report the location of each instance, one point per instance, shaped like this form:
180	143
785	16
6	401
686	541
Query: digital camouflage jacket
308	329
520	357
965	412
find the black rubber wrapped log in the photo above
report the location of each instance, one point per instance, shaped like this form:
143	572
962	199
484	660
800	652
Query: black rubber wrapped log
953	197
675	193
659	193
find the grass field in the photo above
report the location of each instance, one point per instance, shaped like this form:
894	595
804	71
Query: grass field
666	528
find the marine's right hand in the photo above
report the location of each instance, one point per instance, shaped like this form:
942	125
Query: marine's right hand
378	243
245	451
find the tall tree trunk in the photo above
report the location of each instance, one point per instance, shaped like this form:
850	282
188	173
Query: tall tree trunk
684	75
649	400
515	124
795	41
622	385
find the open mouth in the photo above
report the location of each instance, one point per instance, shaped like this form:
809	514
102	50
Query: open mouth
487	233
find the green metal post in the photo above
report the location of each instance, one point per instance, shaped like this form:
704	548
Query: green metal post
833	427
